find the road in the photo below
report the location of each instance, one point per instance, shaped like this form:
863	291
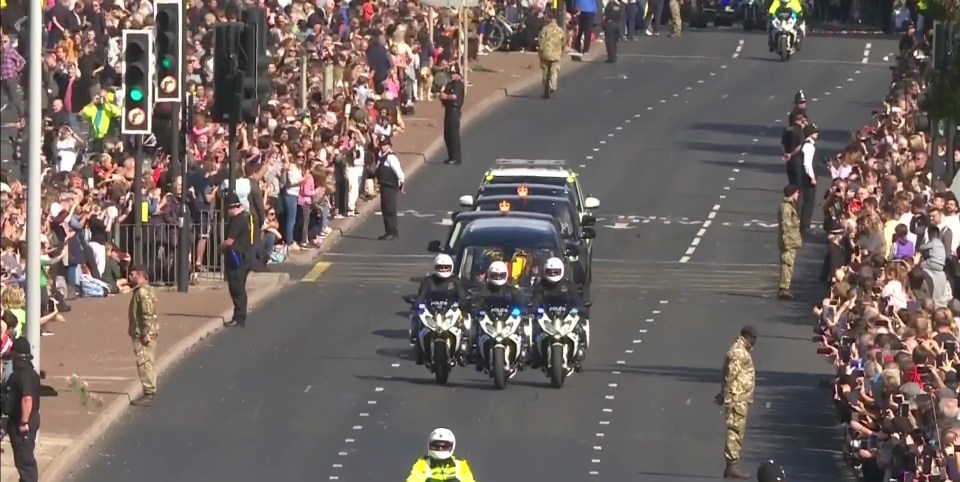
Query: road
321	385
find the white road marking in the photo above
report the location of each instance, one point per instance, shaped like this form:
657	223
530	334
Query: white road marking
866	54
305	390
696	240
736	52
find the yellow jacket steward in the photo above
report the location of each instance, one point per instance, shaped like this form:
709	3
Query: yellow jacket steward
452	469
794	5
100	117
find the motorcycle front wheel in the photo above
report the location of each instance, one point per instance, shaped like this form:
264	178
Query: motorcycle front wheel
783	48
498	367
557	372
441	362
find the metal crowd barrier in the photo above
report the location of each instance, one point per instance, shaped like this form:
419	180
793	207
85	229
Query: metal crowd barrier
159	247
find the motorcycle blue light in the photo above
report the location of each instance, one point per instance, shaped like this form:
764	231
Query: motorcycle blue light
515	312
574	311
482	313
539	311
421	307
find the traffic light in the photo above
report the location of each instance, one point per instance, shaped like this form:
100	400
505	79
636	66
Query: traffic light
252	63
226	38
137	82
169	60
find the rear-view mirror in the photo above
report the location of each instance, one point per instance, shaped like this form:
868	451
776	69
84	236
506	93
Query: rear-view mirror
433	246
591	203
588	233
573	250
466	201
588	220
408	298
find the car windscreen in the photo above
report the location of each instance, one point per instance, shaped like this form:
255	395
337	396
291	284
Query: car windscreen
560	211
524	265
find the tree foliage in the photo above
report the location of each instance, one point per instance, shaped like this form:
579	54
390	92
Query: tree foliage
944	100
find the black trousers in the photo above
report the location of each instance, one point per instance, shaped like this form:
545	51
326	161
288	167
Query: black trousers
451	132
611	40
656	15
808	199
388	206
585	30
794	170
24	447
237	286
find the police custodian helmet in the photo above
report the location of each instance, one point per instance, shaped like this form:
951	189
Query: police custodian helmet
769	471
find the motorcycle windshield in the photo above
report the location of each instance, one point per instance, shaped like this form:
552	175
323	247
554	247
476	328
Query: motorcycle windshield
438	306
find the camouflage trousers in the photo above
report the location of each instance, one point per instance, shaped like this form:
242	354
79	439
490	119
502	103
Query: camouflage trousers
675	13
736	420
787	258
145	355
551	70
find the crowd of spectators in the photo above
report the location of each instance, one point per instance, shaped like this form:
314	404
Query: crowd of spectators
306	161
889	321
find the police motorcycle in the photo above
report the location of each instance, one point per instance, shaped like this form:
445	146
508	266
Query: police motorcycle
444	336
785	28
502	342
439	327
558	342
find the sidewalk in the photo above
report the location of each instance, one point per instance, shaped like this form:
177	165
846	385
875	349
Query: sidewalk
90	364
492	79
89	361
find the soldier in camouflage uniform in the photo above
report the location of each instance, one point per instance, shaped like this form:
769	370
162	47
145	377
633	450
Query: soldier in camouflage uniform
143	330
675	19
552	43
736	395
790	239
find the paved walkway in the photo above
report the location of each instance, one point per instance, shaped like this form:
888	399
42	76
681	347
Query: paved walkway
89	362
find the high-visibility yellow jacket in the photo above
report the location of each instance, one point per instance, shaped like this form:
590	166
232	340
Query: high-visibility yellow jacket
452	469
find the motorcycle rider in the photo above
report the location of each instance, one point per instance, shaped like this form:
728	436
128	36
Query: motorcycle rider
496	292
555	290
439	463
440	285
795	7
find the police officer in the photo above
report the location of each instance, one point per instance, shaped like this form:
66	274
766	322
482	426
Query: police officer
769	471
790	239
496	293
612	20
22	405
143	329
452	98
808	178
799	106
791	141
236	247
552	42
440	285
736	395
390	175
555	290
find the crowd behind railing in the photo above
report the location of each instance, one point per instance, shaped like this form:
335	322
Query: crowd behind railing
889	320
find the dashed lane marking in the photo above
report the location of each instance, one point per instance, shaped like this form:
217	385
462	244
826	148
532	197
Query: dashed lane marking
736	52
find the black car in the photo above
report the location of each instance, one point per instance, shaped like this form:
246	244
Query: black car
576	234
459	222
523	243
518	189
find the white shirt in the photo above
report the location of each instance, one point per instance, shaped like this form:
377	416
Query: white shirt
294	176
393	162
809	149
242	189
357	162
67	153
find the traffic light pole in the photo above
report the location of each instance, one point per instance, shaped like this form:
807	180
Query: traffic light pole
232	141
137	200
34	136
179	152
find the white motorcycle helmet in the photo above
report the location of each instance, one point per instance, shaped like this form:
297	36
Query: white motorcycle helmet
497	273
553	270
443	266
441	443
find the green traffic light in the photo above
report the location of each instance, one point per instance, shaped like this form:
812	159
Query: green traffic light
165	62
136	94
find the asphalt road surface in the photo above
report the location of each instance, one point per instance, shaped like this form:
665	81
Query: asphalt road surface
680	141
